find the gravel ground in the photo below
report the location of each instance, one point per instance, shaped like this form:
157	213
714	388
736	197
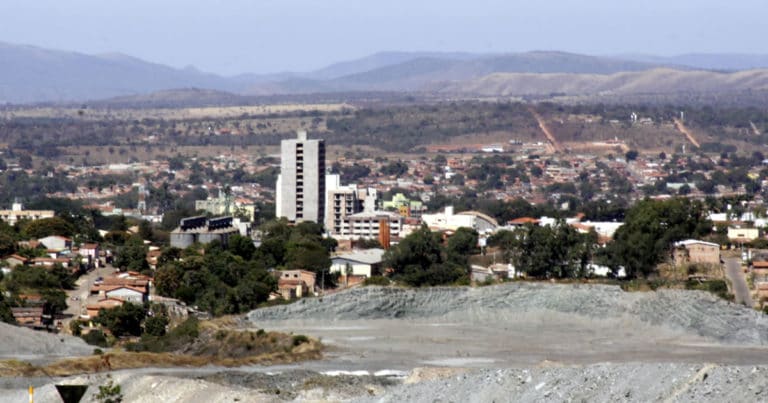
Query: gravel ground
512	342
631	382
693	312
144	388
596	383
30	345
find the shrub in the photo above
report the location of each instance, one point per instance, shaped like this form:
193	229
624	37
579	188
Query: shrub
377	280
175	339
96	338
110	392
76	327
717	287
300	339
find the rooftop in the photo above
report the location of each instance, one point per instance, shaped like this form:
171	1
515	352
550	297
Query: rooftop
367	256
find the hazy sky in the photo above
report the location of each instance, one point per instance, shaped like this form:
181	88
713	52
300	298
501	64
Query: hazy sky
236	36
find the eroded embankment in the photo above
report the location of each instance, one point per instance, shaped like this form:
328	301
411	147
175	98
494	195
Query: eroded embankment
693	312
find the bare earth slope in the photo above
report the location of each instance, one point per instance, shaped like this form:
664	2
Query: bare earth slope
695	313
19	343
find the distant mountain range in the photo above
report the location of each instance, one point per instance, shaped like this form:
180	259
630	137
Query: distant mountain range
31	75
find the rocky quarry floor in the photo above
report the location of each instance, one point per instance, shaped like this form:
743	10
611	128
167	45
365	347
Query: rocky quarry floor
510	342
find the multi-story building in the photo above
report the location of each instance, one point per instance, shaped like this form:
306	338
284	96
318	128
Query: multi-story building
226	205
368	225
343	201
17	213
203	230
301	183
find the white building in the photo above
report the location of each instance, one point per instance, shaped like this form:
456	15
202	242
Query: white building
56	242
301	183
344	201
17	213
361	263
448	221
368	224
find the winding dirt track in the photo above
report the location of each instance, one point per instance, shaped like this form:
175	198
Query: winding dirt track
682	129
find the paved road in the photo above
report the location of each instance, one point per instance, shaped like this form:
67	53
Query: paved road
76	307
736	275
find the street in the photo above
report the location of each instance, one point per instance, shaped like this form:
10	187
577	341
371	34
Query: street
736	276
82	287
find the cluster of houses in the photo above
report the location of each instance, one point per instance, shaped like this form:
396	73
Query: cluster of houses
57	250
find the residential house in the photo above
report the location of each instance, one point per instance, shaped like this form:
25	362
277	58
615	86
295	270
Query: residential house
760	270
15	260
295	283
131	287
482	274
50	261
92	310
360	263
90	252
56	242
692	251
29	316
137	295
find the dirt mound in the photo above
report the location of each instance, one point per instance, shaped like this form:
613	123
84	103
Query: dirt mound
19	343
693	312
598	383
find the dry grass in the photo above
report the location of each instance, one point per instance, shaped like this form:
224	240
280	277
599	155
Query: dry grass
219	342
173	113
311	350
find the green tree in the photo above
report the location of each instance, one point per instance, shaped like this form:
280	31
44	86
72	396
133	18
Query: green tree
132	256
241	246
556	251
123	320
5	311
156	325
631	155
419	259
650	229
461	245
7	244
47	226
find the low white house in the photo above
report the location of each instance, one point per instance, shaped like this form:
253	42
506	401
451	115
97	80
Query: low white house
743	234
56	242
362	263
127	293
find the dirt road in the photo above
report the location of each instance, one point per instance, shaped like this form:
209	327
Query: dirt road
545	129
736	275
688	134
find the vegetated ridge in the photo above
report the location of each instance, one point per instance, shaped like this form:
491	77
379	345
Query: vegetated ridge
656	81
30	74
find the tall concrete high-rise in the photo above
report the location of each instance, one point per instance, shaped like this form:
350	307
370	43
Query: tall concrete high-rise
301	183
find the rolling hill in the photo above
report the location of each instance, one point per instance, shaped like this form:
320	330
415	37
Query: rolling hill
656	81
32	75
